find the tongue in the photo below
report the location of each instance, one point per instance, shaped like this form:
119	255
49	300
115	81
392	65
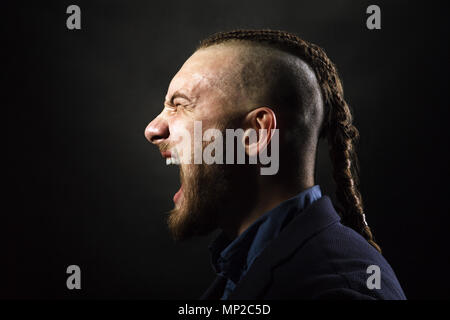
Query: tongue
177	195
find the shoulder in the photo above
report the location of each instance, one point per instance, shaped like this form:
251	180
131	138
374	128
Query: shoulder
334	263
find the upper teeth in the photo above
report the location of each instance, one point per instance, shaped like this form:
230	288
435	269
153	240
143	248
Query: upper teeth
172	160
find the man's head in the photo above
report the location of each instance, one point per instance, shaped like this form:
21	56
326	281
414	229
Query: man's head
251	80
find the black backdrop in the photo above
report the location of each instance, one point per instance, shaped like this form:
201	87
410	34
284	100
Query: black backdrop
82	185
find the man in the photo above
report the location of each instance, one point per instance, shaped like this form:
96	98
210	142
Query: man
281	238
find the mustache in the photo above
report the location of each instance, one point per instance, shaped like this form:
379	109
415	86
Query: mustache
163	146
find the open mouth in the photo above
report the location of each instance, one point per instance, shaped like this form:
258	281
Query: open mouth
172	158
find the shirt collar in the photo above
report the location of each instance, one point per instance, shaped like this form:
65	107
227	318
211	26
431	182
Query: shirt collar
231	258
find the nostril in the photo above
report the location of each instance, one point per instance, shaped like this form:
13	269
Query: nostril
157	131
156	139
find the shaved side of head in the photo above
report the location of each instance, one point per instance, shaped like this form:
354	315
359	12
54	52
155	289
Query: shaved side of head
262	76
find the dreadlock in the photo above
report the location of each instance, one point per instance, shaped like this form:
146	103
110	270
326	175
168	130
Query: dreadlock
337	126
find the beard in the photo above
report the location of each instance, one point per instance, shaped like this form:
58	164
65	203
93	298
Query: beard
213	195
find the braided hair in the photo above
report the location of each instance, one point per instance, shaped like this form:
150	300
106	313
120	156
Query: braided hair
337	125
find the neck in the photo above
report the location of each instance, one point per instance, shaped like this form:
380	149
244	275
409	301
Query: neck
267	199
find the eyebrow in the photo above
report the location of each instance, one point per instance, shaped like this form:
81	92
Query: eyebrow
178	94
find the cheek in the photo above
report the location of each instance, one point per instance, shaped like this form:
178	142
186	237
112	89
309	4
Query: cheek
181	136
212	118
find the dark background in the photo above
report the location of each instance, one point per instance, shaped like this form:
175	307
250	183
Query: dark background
82	185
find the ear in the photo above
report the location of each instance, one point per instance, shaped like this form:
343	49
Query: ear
259	127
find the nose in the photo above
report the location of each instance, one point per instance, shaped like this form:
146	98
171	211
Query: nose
157	130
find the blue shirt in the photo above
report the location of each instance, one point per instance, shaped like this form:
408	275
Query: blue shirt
232	259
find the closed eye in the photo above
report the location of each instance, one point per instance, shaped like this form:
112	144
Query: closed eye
170	107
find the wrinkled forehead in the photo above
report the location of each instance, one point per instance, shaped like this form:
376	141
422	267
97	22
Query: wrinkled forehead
208	71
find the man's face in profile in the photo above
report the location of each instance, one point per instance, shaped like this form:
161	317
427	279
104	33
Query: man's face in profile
204	89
